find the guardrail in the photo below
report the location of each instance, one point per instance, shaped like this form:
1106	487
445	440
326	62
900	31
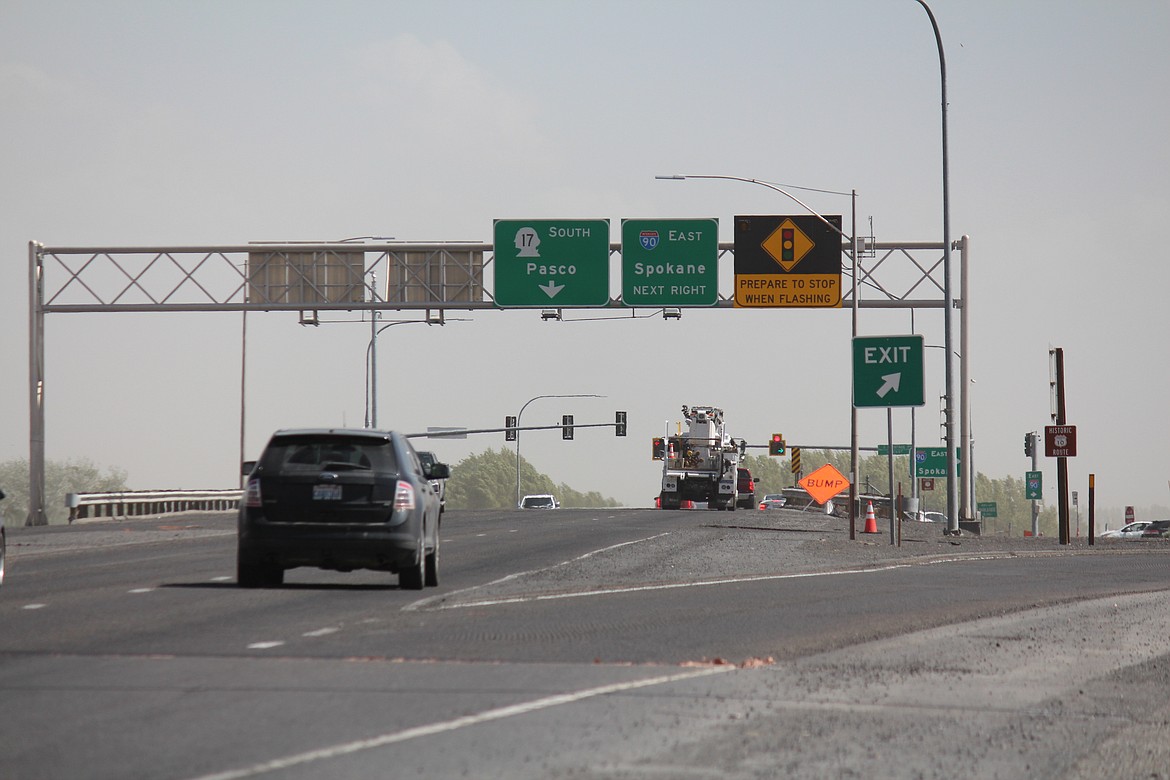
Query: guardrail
149	502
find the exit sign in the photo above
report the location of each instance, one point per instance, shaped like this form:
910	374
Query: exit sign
887	371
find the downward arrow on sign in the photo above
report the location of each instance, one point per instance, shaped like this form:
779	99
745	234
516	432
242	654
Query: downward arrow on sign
891	383
552	288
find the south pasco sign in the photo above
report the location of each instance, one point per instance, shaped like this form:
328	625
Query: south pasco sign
551	262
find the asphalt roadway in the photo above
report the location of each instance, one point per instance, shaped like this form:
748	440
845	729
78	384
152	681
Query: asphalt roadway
632	644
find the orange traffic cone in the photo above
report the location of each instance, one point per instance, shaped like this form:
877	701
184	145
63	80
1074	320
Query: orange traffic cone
870	520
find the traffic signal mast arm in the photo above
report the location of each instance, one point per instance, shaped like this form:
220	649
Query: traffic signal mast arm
465	431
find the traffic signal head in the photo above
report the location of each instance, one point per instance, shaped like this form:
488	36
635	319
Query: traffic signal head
566	426
1029	444
619	427
658	448
510	424
776	444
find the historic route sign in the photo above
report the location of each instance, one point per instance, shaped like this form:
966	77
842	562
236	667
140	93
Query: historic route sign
1060	441
670	262
888	371
551	262
788	261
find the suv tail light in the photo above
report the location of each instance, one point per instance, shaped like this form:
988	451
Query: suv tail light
403	497
252	493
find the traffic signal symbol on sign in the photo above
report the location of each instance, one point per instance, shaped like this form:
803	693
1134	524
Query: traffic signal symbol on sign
776	444
788	245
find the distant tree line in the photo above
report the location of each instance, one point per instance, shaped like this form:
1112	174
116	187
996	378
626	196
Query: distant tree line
488	481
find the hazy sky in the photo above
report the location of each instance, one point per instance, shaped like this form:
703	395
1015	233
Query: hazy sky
212	123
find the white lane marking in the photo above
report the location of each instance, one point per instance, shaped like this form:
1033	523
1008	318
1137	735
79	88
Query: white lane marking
423	602
700	584
321	632
264	645
34	606
222	579
457	723
664	586
140	590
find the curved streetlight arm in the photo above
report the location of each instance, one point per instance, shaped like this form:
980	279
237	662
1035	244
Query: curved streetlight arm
953	507
372	395
521	414
771	186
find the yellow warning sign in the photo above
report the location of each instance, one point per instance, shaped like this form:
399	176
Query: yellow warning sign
798	290
787	244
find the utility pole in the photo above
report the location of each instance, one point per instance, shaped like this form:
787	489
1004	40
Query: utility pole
1057	365
1035	502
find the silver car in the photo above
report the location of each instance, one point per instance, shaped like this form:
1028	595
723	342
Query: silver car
1128	531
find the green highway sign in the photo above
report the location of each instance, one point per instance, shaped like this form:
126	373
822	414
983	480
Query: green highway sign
670	262
1034	485
551	262
932	461
888	371
899	449
987	508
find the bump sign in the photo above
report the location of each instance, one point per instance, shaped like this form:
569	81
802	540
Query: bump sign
551	262
670	262
824	483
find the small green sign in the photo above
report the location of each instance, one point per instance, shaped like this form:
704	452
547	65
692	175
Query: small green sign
1033	485
899	449
670	262
987	508
551	262
887	371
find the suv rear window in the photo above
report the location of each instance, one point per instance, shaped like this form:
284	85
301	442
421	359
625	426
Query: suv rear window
291	454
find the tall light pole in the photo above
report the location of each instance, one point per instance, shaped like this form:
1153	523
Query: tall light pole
521	414
948	295
854	456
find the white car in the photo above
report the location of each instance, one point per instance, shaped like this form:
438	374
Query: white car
1129	531
773	501
542	501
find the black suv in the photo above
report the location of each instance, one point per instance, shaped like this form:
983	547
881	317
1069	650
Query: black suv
339	499
1157	529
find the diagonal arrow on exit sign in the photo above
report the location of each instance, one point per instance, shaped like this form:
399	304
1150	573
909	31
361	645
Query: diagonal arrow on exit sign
891	383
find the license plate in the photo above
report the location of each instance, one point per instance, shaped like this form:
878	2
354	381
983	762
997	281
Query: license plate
326	492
